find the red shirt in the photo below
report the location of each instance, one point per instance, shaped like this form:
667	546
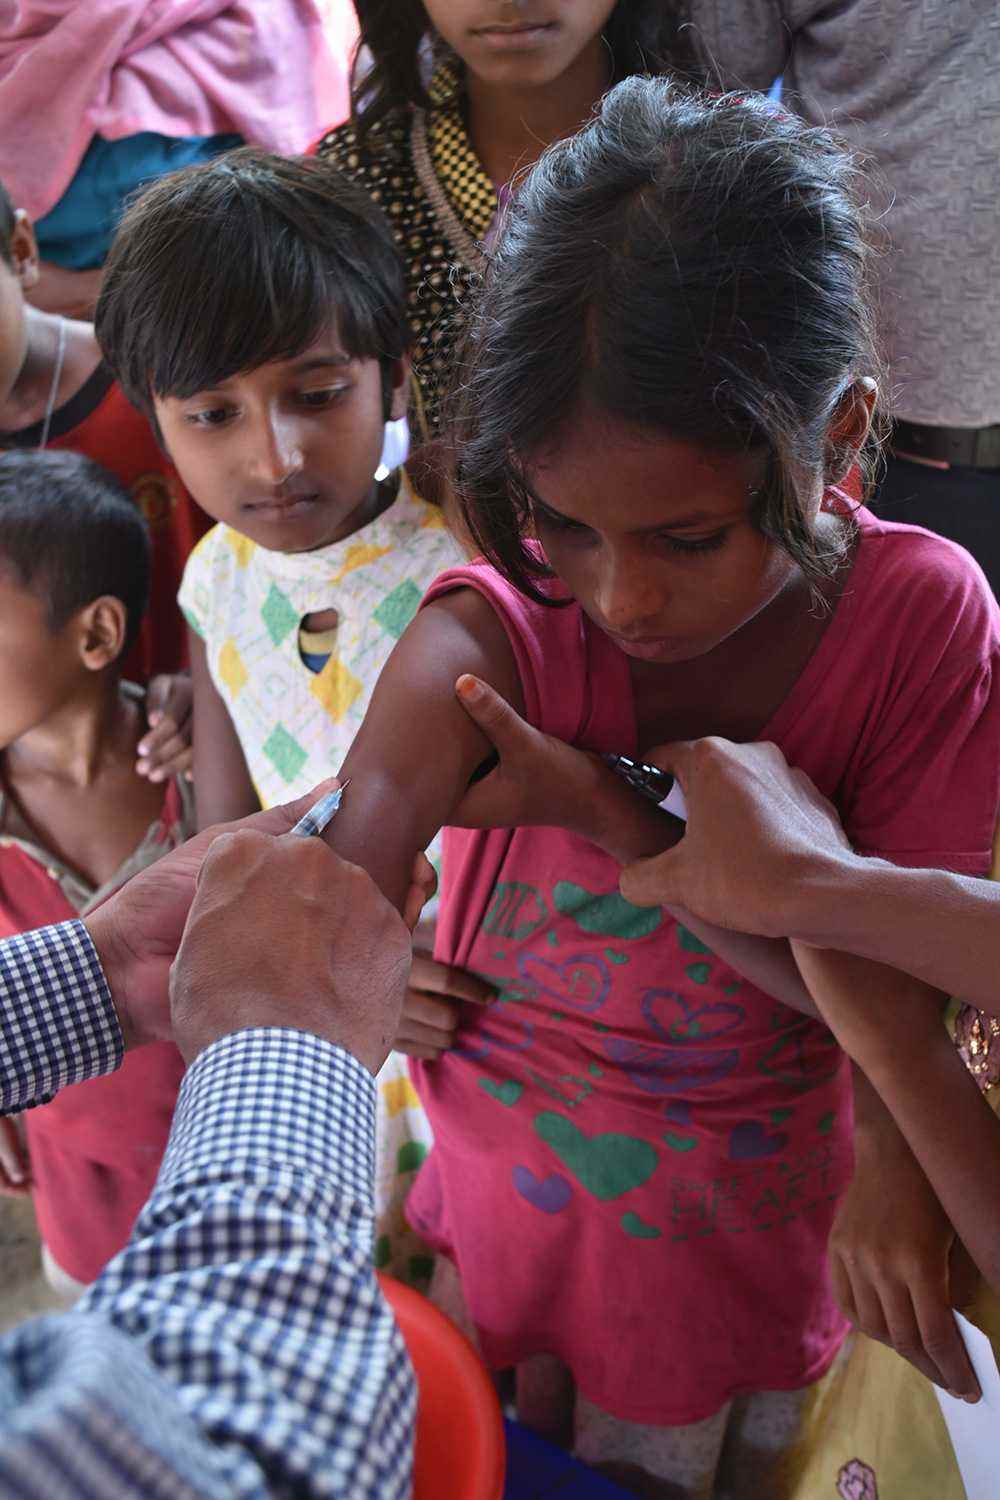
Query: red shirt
102	424
637	1153
96	1147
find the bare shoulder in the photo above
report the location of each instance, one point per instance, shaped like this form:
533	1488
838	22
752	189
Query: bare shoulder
457	632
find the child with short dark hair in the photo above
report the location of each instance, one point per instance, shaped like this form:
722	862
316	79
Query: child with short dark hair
254	308
76	821
56	392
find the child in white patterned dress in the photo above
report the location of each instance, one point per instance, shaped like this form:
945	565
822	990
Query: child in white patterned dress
255	307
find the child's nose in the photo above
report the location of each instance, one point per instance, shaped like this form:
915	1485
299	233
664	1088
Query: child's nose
278	454
629	603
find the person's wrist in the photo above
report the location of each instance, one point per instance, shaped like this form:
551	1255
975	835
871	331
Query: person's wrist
825	897
627	826
118	965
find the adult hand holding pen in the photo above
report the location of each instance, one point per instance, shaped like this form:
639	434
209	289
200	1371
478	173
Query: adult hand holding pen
316	947
138	930
759	841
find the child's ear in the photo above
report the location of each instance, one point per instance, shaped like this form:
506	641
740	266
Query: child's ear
24	251
101	628
849	426
399	389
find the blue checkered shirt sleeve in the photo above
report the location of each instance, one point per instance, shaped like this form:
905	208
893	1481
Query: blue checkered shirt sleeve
57	1022
239	1345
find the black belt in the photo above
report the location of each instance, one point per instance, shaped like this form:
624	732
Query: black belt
965	447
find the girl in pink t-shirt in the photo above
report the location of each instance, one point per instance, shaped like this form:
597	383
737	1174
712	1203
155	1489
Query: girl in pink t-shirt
643	1146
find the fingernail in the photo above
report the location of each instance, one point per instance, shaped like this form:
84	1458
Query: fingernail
142	748
156	775
469	688
154	717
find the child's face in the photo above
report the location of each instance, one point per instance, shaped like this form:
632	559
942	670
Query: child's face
653	537
287	453
532	44
38	666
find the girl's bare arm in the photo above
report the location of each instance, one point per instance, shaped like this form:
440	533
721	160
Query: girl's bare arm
417	750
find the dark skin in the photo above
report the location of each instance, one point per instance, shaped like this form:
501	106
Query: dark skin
285	454
519	100
29	345
719	625
69	740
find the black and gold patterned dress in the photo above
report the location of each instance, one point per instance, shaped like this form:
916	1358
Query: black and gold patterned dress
420	166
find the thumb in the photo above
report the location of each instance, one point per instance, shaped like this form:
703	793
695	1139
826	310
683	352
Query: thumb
653	882
502	726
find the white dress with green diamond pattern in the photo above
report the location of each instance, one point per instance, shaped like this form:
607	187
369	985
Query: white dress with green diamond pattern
296	726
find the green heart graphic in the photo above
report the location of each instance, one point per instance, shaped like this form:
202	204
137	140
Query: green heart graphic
680	1142
638	1228
700	973
606	1165
826	1123
608	916
507	1092
689	942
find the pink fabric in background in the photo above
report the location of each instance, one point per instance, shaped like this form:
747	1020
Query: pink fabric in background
73	69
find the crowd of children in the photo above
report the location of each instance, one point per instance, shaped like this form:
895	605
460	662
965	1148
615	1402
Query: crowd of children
627	1155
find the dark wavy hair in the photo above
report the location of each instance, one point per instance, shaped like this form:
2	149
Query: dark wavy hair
643	36
690	265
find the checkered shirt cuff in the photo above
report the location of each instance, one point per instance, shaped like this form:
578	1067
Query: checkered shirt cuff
57	1021
278	1095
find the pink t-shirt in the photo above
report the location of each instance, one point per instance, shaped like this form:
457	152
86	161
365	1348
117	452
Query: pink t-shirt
637	1153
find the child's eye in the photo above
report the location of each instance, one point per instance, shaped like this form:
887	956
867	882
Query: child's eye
690	545
555	521
214	416
326	397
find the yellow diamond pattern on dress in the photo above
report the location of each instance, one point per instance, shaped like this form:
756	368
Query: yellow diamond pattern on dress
231	669
243	547
336	687
399	1094
433	517
359	556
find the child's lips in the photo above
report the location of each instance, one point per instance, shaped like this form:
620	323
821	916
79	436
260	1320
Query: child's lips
283	507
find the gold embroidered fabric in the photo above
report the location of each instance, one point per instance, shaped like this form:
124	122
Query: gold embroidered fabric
977	1036
421	168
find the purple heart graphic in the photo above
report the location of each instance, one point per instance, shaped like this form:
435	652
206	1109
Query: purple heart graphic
669	1070
551	1194
749	1141
580	982
677	1020
480	1042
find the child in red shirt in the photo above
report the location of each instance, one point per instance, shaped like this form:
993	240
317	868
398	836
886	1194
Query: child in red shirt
76	821
56	392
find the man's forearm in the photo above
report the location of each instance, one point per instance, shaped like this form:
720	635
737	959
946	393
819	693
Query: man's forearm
939	927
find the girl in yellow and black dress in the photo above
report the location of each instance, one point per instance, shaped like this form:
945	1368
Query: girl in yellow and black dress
451	100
